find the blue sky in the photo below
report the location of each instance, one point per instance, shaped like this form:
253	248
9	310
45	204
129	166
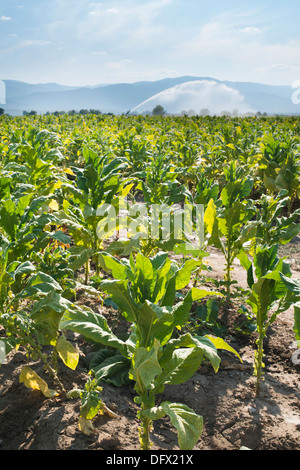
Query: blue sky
82	42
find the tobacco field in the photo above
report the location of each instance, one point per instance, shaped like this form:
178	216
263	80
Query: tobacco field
161	339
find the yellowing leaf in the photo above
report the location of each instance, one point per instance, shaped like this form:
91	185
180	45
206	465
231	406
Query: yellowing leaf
53	205
32	380
126	189
69	171
231	146
57	185
219	343
68	354
86	426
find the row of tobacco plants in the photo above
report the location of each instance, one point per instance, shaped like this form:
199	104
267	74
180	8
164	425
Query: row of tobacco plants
62	179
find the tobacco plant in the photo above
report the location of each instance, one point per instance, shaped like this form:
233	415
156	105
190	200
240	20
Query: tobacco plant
96	185
228	226
272	292
145	290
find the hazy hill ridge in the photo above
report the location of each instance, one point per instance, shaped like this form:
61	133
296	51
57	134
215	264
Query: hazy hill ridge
123	97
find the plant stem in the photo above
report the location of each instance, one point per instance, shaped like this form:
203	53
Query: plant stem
228	269
87	272
259	361
145	434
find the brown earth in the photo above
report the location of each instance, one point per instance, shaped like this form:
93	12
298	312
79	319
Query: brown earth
233	416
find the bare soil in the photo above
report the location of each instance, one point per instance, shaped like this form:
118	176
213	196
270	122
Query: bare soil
234	417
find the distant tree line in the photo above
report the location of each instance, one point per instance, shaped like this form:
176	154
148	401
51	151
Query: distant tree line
157	111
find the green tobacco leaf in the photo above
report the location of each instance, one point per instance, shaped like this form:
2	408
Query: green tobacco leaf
40	283
209	350
182	365
113	265
261	297
110	367
145	277
91	404
92	326
188	424
183	276
61	237
293	285
8	218
297	322
145	367
119	294
80	255
246	263
153	322
47	314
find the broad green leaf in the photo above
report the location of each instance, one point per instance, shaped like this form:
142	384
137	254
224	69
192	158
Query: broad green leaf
91	404
92	326
119	294
145	277
163	322
23	268
40	283
293	285
159	260
261	298
47	314
111	367
209	350
145	367
189	425
181	367
183	276
115	266
297	322
79	257
246	263
61	237
146	316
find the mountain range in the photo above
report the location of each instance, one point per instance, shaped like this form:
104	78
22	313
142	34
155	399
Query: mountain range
123	97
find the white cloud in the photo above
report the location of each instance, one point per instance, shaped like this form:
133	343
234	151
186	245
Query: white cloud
113	11
101	53
250	29
225	53
5	18
118	65
32	43
278	68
